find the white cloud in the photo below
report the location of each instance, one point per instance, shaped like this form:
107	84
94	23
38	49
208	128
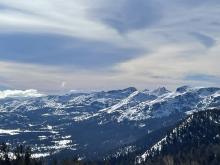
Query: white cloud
69	18
19	93
170	64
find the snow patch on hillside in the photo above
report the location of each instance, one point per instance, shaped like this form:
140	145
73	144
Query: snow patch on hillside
10	132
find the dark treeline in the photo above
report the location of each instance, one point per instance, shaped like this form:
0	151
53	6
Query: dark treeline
19	155
203	155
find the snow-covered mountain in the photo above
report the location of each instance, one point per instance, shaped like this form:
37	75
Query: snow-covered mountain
197	133
95	123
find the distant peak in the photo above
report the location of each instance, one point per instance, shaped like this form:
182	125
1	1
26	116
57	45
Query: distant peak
130	89
125	90
146	91
160	91
197	89
183	89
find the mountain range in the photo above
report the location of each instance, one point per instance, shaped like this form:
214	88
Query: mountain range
100	124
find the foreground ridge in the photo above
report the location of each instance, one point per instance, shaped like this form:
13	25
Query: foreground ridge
197	134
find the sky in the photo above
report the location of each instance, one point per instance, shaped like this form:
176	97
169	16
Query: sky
55	46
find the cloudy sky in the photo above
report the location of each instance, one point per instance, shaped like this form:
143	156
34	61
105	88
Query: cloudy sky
56	46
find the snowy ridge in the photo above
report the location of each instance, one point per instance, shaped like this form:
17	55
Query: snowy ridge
158	146
194	127
127	104
120	104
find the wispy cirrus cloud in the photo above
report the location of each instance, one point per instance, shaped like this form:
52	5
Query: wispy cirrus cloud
128	15
204	39
104	44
